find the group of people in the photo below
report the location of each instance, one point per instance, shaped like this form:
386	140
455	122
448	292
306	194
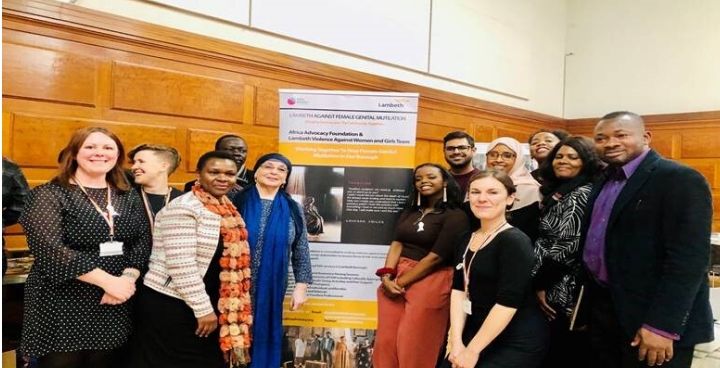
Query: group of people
325	349
131	272
598	258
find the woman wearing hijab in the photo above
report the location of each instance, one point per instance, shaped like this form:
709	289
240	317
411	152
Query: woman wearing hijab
505	154
277	237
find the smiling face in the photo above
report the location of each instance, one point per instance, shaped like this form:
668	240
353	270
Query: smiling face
501	157
620	140
567	163
217	177
429	182
541	144
148	167
97	154
271	174
489	198
458	153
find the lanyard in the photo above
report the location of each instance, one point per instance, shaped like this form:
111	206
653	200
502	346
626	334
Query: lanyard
108	217
466	269
148	210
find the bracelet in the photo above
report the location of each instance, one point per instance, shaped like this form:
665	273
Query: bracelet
386	271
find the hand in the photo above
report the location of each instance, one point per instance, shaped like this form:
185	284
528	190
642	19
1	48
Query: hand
391	288
119	287
546	308
465	359
206	324
107	299
456	347
299	296
653	347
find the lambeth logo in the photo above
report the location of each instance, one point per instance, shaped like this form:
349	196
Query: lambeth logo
291	101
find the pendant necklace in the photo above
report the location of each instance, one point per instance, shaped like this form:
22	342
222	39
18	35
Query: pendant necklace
419	222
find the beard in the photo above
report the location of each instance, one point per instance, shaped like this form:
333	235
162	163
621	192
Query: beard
460	165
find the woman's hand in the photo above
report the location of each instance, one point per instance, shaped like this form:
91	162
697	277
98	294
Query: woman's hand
391	288
549	312
206	324
119	287
108	299
299	296
456	347
465	359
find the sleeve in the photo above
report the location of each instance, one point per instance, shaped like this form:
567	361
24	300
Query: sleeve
139	251
302	268
42	221
686	224
454	224
17	190
178	228
515	262
527	219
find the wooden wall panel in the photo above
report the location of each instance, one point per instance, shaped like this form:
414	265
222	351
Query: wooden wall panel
700	143
30	72
140	88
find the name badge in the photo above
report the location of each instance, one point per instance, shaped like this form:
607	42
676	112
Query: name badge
111	248
467	306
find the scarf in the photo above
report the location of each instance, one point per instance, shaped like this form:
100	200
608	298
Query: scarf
527	187
236	319
552	194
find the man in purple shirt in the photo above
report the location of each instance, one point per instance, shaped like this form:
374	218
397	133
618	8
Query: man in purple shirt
646	250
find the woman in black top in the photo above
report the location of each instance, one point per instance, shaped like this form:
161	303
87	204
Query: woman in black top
82	228
495	321
152	165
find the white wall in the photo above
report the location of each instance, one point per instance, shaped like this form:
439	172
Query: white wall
647	56
521	65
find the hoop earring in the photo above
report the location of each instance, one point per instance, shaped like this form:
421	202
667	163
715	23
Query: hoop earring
418	199
444	194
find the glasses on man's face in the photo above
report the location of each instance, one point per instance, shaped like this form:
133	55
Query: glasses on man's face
505	155
457	148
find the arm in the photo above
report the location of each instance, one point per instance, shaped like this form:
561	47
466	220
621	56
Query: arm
302	268
17	192
423	268
495	323
391	288
457	322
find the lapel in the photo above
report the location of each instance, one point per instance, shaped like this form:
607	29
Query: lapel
634	183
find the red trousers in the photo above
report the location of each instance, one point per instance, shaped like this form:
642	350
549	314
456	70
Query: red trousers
411	328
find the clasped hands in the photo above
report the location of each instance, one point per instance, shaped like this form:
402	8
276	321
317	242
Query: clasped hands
462	357
118	289
391	287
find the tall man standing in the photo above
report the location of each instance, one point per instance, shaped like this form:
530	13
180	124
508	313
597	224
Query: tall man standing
647	250
327	345
459	148
236	146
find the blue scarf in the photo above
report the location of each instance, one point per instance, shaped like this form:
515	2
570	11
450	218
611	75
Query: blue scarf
270	280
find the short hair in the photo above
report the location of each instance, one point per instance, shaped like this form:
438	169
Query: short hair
454	195
559	133
68	163
592	164
167	153
498	175
617	114
219	141
459	134
202	161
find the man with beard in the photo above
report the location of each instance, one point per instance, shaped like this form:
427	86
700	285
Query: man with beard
238	148
459	148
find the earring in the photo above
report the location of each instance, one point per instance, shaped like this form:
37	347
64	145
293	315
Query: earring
444	194
418	201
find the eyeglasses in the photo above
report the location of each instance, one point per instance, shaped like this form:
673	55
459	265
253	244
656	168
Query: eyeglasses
459	148
505	155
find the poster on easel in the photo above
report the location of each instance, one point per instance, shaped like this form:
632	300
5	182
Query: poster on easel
353	155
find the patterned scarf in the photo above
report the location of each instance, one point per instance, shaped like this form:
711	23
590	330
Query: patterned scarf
236	318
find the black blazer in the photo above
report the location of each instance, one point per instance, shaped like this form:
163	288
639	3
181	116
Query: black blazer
657	250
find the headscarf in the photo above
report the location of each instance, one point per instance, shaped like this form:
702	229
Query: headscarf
276	157
528	189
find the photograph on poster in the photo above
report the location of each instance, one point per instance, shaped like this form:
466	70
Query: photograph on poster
318	347
319	191
480	160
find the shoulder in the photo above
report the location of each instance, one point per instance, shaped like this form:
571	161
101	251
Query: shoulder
183	204
515	237
454	214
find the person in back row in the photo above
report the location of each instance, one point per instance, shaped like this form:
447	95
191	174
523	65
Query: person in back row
459	148
238	148
541	143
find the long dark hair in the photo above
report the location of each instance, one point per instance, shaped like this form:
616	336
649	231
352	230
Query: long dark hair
454	196
592	165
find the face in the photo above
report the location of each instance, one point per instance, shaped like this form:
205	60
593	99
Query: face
620	140
237	148
501	157
97	155
458	153
147	167
489	198
217	177
567	163
429	181
541	144
272	174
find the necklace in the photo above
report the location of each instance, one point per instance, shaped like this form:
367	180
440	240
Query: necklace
419	222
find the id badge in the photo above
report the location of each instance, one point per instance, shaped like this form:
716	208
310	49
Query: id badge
467	306
111	248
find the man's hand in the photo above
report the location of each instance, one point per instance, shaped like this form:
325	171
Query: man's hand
652	347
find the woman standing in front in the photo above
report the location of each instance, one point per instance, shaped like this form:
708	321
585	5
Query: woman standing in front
197	278
414	294
278	237
571	168
82	229
494	316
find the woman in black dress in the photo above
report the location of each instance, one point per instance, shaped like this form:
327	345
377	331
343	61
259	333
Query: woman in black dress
495	321
152	165
82	228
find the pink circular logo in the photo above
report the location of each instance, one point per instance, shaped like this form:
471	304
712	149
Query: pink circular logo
291	101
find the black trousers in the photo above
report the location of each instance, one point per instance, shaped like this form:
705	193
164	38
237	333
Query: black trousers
567	348
610	346
77	359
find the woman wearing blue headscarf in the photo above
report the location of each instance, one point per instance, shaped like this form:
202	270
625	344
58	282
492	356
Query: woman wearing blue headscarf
277	237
